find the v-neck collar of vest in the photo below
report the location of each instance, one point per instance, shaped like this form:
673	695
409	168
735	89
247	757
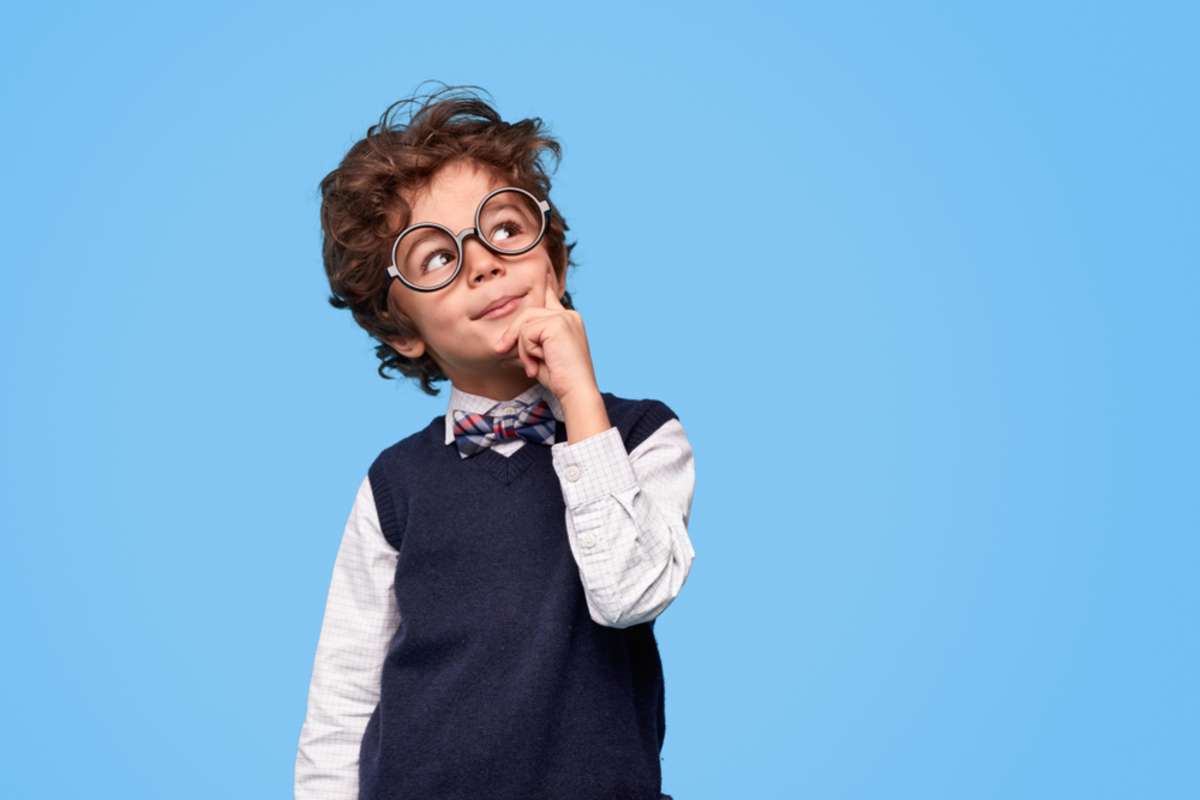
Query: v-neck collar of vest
507	469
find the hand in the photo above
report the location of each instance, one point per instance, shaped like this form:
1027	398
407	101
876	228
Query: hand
552	345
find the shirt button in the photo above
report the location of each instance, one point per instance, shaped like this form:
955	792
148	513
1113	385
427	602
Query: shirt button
587	539
572	472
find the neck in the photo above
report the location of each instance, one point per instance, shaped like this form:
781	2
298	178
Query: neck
497	387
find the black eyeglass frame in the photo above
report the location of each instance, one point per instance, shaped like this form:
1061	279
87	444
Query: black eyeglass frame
461	237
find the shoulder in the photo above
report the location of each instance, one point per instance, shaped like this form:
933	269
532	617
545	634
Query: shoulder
395	462
638	418
412	447
394	470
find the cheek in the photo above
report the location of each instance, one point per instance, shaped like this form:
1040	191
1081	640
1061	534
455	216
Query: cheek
429	317
449	318
540	266
442	323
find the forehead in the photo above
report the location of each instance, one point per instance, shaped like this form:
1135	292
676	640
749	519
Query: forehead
453	194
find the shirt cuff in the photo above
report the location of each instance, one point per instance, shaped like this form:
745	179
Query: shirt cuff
592	468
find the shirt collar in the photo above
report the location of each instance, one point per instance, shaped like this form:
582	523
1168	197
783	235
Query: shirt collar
479	404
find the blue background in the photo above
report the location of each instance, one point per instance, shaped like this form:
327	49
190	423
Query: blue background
944	257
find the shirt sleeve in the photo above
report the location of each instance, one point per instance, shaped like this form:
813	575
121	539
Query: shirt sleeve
627	515
360	617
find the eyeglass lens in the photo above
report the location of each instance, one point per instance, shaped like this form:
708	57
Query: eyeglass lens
510	221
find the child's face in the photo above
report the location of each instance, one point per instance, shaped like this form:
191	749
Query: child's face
448	320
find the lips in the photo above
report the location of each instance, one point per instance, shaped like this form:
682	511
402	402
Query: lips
499	301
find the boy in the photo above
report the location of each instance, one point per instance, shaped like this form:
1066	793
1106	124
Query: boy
489	627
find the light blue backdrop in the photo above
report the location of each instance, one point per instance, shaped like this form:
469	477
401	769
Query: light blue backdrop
920	283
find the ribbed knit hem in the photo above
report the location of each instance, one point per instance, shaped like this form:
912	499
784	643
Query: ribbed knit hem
385	509
657	413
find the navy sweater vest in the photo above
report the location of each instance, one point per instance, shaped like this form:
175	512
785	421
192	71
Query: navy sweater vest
497	683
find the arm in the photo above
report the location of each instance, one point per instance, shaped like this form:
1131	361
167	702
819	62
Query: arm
627	517
360	617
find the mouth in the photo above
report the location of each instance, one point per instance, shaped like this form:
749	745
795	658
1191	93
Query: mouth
502	307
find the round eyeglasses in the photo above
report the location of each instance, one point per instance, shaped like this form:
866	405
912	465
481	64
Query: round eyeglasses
509	221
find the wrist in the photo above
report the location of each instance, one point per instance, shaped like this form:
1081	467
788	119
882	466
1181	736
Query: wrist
585	414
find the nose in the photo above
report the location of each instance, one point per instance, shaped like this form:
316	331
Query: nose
479	261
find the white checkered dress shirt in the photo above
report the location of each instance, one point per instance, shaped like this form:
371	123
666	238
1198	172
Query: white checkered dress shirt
626	517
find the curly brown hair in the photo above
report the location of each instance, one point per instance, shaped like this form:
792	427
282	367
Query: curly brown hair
363	204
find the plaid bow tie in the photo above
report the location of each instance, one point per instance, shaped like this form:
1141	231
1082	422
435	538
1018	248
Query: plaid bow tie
474	433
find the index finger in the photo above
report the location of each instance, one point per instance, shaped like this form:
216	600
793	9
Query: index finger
552	301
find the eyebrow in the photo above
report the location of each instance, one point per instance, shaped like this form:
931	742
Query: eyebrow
420	237
506	205
417	238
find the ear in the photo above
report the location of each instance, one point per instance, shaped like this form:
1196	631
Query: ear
412	348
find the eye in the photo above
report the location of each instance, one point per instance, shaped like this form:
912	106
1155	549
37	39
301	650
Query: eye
509	228
433	257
